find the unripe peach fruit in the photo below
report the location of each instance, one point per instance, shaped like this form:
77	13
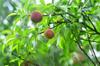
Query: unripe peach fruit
36	17
49	33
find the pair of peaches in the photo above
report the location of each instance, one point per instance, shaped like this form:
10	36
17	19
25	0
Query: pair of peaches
36	17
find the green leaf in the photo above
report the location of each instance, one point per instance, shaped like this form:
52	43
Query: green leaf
42	2
98	26
12	14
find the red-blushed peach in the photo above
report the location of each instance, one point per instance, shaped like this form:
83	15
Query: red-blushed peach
36	17
49	33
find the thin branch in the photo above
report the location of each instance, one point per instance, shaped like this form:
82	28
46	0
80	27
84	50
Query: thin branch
85	52
17	56
89	38
92	49
90	28
58	23
90	21
65	19
79	45
52	1
55	14
84	23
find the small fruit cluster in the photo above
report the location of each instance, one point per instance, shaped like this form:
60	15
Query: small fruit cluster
36	17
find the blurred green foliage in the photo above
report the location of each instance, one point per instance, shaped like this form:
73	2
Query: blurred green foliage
22	40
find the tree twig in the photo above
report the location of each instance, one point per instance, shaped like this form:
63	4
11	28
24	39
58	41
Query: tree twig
88	18
55	14
79	45
84	23
92	49
85	52
77	38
